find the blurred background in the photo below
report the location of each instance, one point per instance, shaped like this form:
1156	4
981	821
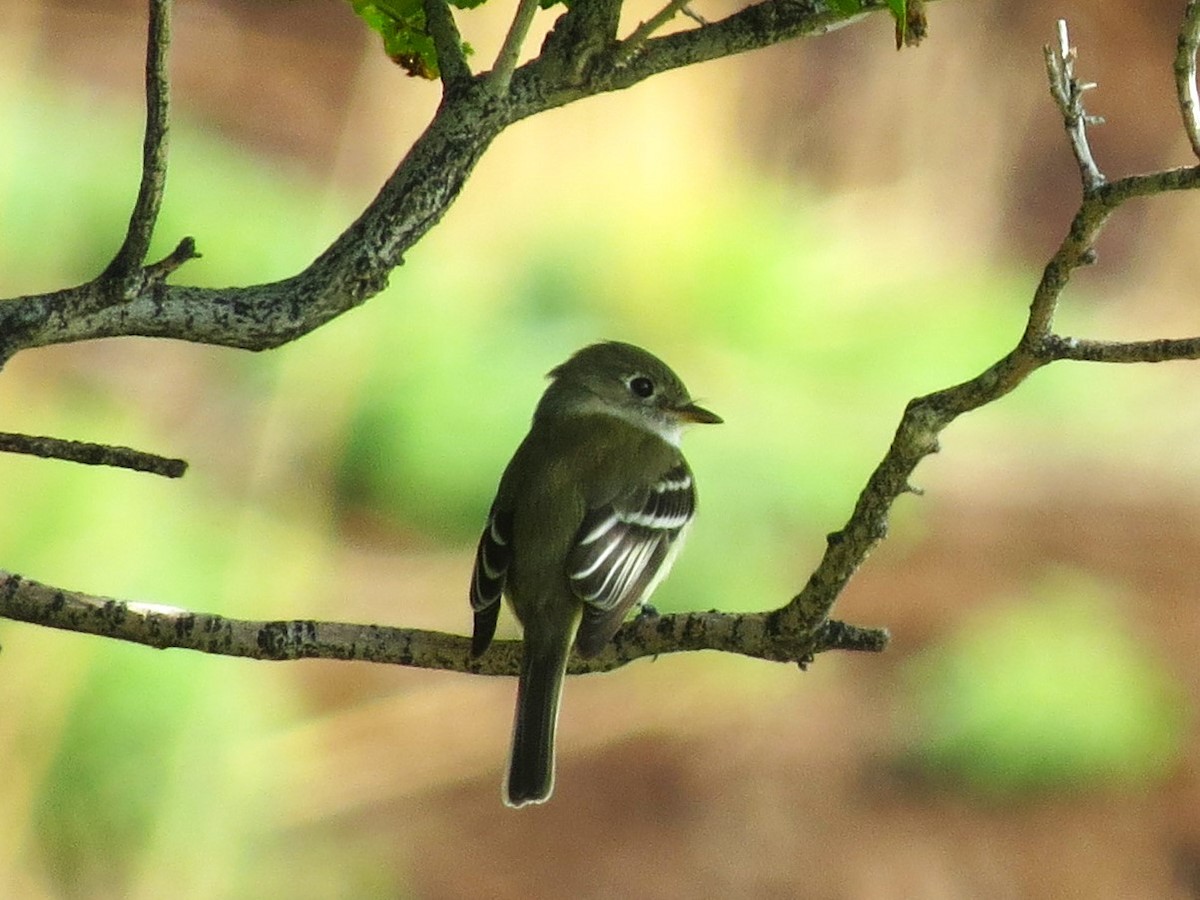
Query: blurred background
810	235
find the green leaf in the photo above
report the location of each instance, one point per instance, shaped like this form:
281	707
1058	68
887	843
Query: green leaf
401	24
846	7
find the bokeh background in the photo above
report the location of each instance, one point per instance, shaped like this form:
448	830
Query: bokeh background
810	235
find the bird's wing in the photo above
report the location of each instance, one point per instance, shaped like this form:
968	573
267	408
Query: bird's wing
622	550
492	559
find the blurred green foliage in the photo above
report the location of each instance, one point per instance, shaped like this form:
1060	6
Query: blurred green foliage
1047	691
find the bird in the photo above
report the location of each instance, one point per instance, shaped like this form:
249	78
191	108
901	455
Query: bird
587	520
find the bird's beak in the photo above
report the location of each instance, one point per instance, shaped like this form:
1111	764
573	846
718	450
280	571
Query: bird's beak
690	412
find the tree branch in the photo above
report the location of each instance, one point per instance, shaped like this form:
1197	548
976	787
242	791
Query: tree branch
357	265
259	317
510	51
1154	351
165	627
92	454
752	28
1068	93
129	258
447	42
638	37
1185	74
925	417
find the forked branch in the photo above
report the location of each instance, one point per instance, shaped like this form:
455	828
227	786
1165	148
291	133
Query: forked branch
127	276
925	417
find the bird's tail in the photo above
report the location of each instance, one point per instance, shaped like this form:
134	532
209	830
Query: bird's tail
531	766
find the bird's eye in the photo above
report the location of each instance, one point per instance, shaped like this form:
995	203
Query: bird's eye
641	386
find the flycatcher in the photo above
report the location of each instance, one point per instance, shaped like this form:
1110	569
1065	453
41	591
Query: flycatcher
586	522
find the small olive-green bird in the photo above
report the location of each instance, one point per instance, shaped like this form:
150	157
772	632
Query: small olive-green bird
586	522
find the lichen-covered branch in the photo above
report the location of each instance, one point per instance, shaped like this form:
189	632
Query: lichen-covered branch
448	43
128	260
550	81
259	317
1068	92
510	51
165	627
423	186
92	454
1185	74
925	417
632	45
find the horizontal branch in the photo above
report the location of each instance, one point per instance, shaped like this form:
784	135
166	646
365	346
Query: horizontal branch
757	26
1152	351
165	627
92	454
537	87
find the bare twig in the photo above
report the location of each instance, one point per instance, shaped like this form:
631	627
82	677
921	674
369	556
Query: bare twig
184	250
510	51
1068	95
92	454
1153	351
1185	73
136	245
638	37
